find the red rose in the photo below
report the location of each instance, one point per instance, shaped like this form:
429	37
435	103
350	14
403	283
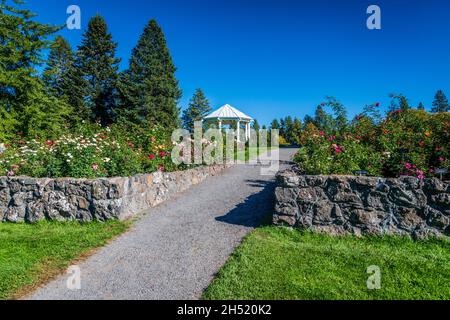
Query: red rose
151	156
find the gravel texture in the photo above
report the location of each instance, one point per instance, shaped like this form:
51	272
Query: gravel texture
174	250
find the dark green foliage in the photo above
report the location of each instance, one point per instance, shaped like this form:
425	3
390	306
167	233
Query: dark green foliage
59	64
275	124
398	102
421	106
148	89
197	109
282	127
322	119
307	119
340	115
295	132
440	103
255	125
289	129
98	66
24	101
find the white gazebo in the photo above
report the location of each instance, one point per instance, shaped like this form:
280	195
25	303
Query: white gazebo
227	115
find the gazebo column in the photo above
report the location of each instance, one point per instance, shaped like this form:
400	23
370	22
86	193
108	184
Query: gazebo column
238	130
246	131
220	124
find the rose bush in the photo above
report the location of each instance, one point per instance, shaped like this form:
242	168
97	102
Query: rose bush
89	151
406	142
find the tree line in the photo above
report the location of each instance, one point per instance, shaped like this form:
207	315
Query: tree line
84	85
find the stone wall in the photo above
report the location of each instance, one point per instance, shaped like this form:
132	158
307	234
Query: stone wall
24	199
363	205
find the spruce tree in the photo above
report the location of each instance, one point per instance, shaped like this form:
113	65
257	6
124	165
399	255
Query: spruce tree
322	119
149	90
308	119
296	131
282	127
420	106
440	103
98	66
398	102
24	101
404	105
275	124
288	126
59	64
255	125
197	109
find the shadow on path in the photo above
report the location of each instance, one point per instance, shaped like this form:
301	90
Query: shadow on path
251	212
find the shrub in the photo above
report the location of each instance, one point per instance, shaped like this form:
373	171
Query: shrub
407	142
89	151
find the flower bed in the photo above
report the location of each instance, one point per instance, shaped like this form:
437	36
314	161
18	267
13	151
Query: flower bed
406	142
88	152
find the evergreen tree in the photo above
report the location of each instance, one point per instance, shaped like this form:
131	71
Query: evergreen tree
288	126
264	127
255	125
440	103
78	86
296	131
59	63
398	102
404	105
282	127
322	119
308	119
339	123
149	90
197	109
275	124
98	66
420	106
24	101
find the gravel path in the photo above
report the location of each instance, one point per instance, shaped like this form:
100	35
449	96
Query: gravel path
175	249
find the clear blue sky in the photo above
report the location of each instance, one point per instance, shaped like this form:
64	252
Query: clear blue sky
277	58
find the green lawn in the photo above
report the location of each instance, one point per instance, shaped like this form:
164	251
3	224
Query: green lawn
31	254
280	263
251	153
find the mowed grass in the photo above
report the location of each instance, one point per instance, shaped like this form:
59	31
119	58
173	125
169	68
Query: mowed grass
251	153
281	263
32	254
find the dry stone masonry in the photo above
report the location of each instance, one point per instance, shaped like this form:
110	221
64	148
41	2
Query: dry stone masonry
363	205
24	199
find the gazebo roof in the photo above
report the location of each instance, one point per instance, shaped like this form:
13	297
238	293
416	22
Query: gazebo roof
228	112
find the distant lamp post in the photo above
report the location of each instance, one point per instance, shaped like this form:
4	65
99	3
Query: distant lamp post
361	172
441	172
